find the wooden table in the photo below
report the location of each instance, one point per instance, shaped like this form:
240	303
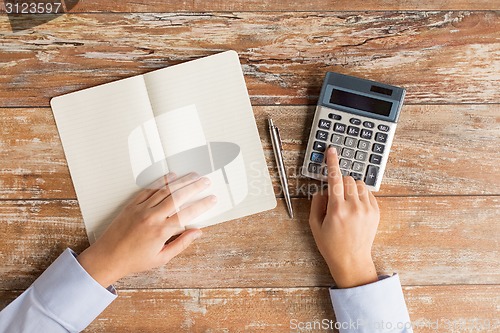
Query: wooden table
440	196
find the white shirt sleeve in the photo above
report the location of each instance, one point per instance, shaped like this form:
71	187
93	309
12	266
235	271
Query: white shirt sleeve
65	298
377	307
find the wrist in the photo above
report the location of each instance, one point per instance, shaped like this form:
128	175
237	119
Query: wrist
353	272
98	267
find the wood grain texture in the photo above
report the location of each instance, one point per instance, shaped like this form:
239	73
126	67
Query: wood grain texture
440	57
442	309
428	240
440	195
132	6
436	147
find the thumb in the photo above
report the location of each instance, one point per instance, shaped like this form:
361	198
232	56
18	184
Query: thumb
178	245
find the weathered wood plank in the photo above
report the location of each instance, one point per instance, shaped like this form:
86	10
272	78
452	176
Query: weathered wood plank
428	240
432	309
155	6
32	162
440	57
437	148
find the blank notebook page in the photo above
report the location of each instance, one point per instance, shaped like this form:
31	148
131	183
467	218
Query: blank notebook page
94	126
119	136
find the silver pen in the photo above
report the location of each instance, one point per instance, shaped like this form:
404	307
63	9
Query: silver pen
278	155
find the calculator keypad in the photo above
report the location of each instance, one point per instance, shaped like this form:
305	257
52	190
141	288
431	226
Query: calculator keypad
350	142
339	128
375	159
378	148
337	139
381	137
353	130
360	145
334	116
356	176
325	124
345	164
383	128
349	153
364	145
319	146
358	167
314	168
368	124
317	157
321	135
366	134
371	175
361	155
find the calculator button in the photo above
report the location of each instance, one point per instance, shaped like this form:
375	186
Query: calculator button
337	139
339	149
355	121
375	159
339	128
334	116
356	176
371	175
345	164
325	171
317	157
378	148
344	172
350	142
381	137
364	145
368	124
383	128
349	153
353	130
319	146
324	124
314	168
322	135
358	167
361	155
366	134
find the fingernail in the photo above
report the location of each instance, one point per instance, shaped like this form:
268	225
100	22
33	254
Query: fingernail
332	151
213	198
171	176
198	234
206	181
194	175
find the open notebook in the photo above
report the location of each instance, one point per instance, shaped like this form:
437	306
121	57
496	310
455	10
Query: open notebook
119	137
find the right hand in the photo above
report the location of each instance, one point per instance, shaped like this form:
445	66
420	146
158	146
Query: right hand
344	223
136	239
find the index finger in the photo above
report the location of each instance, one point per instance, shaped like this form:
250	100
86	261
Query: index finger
335	184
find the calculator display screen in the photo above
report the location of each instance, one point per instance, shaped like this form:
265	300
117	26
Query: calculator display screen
360	102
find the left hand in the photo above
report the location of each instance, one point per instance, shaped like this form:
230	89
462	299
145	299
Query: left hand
136	239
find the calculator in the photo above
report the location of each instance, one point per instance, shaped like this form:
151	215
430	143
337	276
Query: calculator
357	117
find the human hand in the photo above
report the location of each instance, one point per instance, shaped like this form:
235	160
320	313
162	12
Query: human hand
136	239
344	223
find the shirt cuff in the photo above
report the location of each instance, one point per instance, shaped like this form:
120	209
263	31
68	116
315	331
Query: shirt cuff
70	294
373	308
